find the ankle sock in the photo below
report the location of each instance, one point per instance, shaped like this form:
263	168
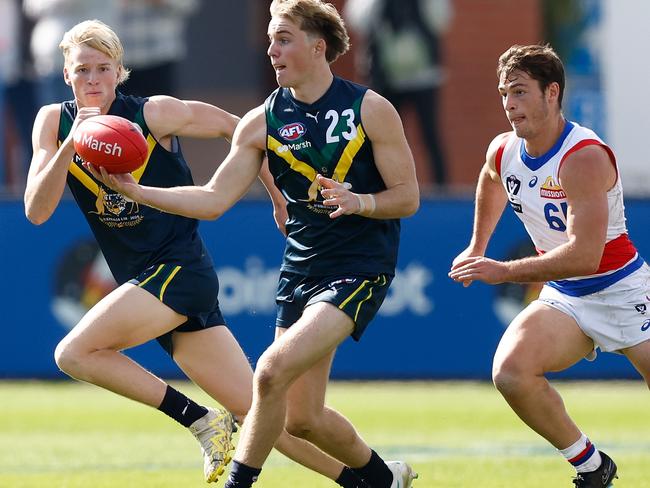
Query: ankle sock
375	472
583	455
349	479
242	476
182	409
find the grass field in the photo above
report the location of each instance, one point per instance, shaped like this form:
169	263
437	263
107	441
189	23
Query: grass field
70	435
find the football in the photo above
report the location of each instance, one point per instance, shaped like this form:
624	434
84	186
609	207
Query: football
110	141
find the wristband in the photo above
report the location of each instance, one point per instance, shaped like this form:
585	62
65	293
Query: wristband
367	204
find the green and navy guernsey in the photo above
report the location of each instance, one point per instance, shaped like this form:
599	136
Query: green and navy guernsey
327	138
135	237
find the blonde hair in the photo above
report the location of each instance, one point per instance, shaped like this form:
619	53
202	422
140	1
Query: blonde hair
318	18
97	35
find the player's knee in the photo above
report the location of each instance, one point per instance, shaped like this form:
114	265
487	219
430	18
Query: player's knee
67	358
507	376
301	426
268	378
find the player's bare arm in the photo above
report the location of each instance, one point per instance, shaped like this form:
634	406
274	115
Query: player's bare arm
587	213
167	116
231	181
491	200
280	214
587	217
50	162
394	161
586	228
490	203
392	156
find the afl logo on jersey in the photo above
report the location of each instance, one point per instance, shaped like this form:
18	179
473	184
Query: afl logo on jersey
291	132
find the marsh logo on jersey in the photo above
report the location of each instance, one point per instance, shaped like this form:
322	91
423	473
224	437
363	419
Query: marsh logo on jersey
291	132
297	146
551	190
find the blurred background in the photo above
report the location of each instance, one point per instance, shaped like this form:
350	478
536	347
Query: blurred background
434	59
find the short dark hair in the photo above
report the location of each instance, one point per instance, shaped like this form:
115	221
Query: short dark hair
539	61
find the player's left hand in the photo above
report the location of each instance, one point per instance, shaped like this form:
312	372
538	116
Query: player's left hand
121	183
338	195
479	268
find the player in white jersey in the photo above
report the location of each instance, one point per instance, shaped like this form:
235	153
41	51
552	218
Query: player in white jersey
563	183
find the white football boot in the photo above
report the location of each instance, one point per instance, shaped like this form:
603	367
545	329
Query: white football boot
403	474
214	431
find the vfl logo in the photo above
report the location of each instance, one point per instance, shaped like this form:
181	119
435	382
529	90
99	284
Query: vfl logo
641	308
646	325
292	131
513	186
532	182
550	190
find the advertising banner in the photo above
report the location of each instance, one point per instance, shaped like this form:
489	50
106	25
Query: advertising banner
428	328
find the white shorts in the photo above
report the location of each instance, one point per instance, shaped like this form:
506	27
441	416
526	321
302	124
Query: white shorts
615	318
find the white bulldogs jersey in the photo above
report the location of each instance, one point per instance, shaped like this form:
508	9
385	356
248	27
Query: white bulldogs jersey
534	193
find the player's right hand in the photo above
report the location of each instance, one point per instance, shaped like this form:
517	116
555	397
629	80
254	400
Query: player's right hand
466	253
83	114
479	268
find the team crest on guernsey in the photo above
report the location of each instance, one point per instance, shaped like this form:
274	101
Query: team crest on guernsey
291	132
115	210
551	190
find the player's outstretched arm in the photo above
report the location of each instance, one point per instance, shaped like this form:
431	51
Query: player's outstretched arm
168	116
230	182
49	166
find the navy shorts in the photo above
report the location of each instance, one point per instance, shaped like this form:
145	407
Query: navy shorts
190	291
358	296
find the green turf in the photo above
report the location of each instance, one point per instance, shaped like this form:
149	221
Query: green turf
455	434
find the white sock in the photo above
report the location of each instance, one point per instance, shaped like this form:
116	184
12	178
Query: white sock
582	455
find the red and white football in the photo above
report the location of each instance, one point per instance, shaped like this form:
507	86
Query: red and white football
110	141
